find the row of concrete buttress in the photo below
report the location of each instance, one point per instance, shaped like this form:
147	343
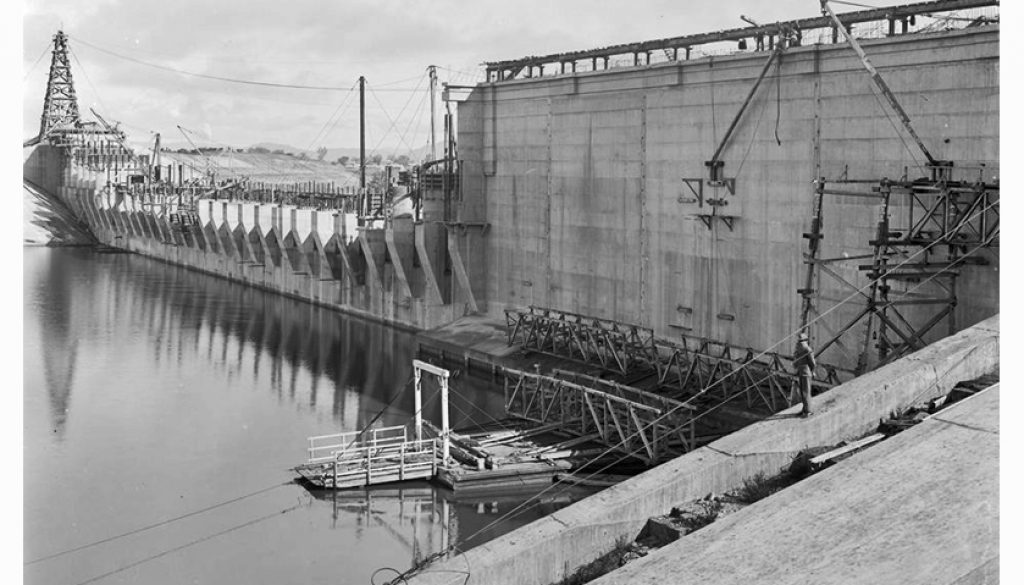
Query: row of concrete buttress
395	274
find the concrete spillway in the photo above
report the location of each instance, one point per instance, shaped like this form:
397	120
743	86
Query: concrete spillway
408	273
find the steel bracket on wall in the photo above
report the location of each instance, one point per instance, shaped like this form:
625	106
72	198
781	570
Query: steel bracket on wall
709	219
696	186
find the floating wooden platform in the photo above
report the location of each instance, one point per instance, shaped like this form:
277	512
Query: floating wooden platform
510	454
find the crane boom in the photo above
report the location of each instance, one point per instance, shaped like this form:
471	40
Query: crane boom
117	136
877	78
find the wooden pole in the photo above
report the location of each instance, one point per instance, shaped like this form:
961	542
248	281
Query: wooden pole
418	404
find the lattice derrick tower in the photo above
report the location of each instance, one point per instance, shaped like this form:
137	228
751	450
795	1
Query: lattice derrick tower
60	104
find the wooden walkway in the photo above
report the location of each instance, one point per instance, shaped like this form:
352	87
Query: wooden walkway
383	455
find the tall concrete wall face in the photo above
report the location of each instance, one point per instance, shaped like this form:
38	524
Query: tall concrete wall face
580	178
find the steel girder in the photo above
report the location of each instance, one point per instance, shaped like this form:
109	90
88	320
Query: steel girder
701	367
616	346
631	421
696	367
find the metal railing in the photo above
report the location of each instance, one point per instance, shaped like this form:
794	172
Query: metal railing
388	461
328	447
374	456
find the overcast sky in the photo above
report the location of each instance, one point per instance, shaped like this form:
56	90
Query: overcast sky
323	44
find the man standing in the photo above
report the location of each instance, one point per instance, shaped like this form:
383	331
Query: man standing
803	361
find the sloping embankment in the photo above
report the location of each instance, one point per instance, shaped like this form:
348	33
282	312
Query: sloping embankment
549	549
921	508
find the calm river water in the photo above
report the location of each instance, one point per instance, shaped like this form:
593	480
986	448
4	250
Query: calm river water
164	410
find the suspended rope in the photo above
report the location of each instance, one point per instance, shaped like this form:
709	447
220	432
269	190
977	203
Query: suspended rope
520	508
193	543
88	79
778	98
415	116
348	96
38	60
158	524
206	76
386	114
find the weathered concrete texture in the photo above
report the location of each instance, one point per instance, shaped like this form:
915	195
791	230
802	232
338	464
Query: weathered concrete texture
579	176
920	508
551	548
368	271
474	336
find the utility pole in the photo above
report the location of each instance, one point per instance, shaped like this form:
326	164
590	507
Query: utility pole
362	132
433	111
156	158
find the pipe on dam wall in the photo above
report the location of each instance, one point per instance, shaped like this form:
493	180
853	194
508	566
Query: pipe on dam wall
377	274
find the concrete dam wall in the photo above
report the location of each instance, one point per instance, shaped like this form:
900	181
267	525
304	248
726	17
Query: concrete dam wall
579	177
408	273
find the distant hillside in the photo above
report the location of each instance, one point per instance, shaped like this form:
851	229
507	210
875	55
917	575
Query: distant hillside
269	168
333	154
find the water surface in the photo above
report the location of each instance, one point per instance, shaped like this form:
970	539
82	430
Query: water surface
154	394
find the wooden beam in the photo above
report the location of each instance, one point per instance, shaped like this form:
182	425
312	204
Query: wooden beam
735	34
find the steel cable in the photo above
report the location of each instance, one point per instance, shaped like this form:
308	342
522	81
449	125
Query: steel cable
520	508
36	64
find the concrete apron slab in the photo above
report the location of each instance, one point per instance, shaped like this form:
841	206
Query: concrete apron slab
920	508
548	549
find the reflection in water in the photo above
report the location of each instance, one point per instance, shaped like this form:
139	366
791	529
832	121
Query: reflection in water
189	391
357	365
55	293
427	521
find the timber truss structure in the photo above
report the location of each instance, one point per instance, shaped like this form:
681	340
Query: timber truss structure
928	230
628	420
696	370
894	20
615	346
89	144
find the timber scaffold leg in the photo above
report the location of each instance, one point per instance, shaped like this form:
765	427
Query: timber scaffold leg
905	281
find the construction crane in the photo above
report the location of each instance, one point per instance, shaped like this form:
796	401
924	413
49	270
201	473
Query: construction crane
882	86
715	165
231	184
117	134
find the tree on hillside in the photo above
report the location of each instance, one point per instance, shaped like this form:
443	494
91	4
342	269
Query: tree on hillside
375	159
343	160
403	160
321	153
259	150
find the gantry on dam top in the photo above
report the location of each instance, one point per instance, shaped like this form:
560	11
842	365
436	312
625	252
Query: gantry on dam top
883	22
